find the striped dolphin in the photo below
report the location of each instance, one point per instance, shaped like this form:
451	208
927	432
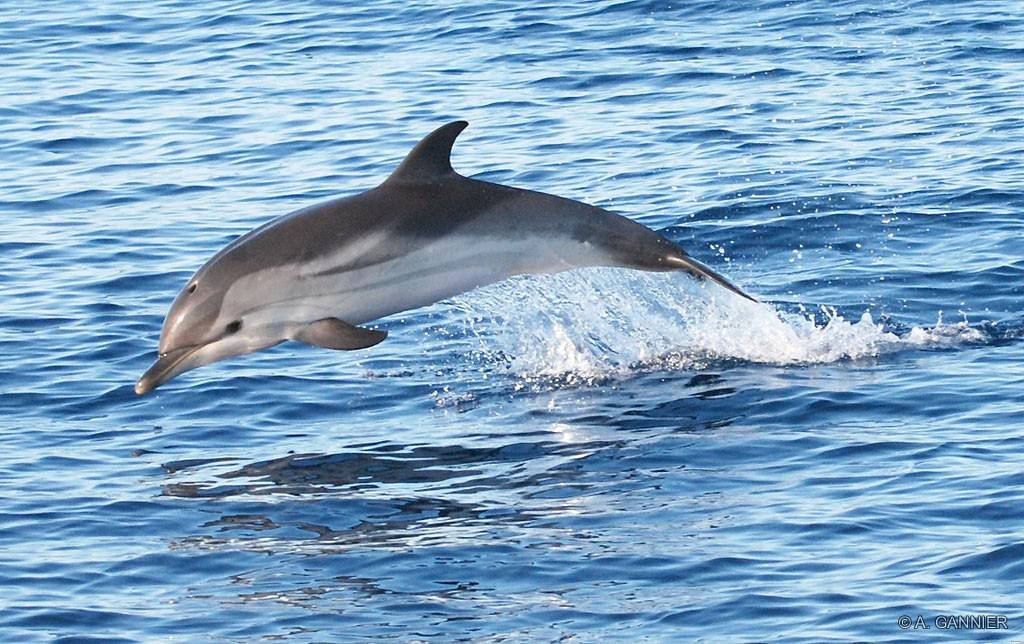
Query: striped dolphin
426	234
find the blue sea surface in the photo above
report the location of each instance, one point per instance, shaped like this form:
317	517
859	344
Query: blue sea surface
599	455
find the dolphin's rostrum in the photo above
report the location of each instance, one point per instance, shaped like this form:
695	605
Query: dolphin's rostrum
425	234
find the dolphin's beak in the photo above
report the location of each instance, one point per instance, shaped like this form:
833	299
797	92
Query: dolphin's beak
166	367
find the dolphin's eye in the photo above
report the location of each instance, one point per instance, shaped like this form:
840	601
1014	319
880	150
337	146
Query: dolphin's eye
233	327
192	287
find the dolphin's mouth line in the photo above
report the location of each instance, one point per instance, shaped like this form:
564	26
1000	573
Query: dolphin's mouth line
178	355
165	363
182	350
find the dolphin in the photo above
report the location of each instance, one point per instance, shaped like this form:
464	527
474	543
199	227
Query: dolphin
425	234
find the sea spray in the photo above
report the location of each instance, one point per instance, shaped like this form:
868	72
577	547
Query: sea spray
584	326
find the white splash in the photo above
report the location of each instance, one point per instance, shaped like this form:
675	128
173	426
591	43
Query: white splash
586	325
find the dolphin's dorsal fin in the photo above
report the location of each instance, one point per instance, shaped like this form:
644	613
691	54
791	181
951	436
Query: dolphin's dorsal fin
431	158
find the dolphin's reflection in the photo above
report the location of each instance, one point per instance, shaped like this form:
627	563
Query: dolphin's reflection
430	493
317	474
390	493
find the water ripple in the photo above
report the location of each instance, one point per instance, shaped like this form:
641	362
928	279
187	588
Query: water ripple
597	455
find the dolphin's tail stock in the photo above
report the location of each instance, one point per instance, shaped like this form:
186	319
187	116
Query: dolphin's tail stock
686	263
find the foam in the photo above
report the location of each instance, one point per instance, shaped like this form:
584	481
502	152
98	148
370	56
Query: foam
593	324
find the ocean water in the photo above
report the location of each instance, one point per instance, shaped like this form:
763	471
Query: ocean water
600	455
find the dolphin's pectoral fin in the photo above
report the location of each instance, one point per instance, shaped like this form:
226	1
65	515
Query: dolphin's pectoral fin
332	333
